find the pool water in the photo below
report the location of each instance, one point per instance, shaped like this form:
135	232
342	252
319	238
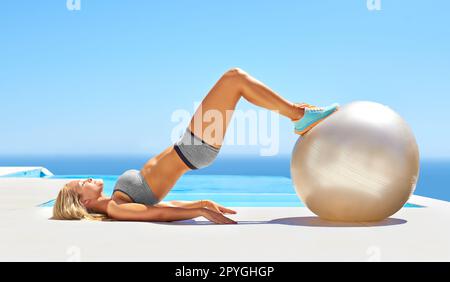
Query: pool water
227	190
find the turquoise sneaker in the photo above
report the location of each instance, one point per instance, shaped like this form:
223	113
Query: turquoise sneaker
312	117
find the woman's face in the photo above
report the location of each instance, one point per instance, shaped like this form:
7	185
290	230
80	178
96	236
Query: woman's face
88	189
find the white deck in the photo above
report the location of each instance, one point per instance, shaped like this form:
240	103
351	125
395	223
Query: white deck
263	234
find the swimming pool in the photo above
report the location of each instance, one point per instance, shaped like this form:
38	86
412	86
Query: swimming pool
228	190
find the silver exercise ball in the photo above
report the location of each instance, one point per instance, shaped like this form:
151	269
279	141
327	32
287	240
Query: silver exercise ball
359	164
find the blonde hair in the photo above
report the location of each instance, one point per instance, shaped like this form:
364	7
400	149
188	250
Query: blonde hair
68	206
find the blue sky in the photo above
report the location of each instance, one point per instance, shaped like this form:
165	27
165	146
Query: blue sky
107	78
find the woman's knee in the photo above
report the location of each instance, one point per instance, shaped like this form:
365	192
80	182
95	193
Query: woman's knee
234	80
235	73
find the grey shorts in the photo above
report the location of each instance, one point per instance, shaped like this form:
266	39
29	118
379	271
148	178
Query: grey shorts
195	152
133	184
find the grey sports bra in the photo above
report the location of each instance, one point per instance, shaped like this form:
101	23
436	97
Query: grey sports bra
134	185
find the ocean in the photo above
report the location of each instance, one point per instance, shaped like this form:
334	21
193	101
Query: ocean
433	178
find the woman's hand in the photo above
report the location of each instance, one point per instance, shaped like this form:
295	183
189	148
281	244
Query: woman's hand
216	207
216	217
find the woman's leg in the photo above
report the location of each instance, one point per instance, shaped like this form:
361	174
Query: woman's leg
223	97
163	170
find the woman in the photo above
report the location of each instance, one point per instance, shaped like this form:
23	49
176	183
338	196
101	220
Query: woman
137	194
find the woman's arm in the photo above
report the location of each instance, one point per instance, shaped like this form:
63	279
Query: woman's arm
139	212
182	204
198	204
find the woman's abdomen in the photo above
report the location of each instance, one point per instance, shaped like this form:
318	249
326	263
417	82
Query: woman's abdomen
163	171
